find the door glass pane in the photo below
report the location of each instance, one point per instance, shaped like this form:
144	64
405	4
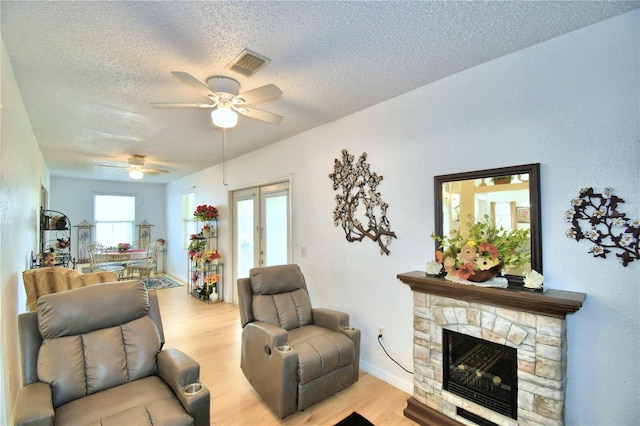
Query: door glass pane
188	224
276	230
244	244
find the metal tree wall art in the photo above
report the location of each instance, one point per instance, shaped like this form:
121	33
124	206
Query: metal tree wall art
359	186
604	225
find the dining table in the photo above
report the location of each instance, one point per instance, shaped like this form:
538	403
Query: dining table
125	256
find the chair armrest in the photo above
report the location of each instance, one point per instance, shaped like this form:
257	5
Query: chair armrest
327	318
339	321
267	334
272	372
179	370
35	405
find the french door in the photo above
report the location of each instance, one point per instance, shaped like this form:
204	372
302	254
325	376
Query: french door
261	228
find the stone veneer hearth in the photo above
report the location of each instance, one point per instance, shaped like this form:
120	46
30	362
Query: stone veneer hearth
533	323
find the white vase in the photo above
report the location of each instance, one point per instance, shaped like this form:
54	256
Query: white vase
213	296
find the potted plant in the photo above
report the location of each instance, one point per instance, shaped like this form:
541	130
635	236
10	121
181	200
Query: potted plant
501	180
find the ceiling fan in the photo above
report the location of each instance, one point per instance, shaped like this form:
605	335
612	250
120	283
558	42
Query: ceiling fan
226	101
136	167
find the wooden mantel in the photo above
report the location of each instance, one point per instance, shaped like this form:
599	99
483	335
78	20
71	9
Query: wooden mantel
554	303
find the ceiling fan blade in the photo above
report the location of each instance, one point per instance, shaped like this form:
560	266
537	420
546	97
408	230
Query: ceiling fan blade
181	105
257	114
111	165
153	171
260	94
193	82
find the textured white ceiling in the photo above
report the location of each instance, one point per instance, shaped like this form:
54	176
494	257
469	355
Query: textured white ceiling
89	71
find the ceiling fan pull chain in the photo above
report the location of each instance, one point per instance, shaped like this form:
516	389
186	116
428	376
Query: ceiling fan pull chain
224	163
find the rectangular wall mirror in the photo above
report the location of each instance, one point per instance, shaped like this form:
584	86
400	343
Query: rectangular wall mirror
510	196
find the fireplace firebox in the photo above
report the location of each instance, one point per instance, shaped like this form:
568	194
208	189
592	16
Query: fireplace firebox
481	371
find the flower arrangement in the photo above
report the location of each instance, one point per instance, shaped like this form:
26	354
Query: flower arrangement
202	258
205	212
123	246
48	258
483	247
198	244
211	280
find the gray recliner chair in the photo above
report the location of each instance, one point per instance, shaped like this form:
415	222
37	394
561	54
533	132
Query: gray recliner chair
93	355
292	354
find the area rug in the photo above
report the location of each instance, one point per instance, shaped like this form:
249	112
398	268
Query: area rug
161	282
354	419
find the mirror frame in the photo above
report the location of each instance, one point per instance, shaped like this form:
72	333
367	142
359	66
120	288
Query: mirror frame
534	201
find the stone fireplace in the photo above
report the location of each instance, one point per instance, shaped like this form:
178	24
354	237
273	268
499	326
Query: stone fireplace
534	324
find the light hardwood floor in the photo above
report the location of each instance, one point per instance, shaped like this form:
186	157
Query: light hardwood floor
211	334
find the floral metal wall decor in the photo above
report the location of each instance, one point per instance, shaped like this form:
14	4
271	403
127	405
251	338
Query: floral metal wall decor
605	226
359	186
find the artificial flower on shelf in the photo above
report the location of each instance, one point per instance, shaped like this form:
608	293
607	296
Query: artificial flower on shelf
210	289
205	257
205	213
483	247
197	245
211	280
62	243
207	291
123	246
48	258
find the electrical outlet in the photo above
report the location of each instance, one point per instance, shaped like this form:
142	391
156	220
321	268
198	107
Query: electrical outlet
380	331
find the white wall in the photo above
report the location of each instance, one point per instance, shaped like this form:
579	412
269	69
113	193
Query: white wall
571	104
74	197
22	172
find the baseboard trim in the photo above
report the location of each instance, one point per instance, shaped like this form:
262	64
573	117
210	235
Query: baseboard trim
395	381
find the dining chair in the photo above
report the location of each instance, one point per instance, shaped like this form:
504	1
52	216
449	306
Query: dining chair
144	267
93	250
103	263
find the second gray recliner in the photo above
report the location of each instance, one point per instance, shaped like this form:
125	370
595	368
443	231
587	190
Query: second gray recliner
292	354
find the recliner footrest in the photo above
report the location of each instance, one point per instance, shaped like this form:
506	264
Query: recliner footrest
322	354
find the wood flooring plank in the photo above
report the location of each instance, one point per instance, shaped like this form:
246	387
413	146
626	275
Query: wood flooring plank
211	334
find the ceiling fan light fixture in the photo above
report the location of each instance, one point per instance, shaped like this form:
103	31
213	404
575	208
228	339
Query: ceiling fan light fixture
136	174
223	116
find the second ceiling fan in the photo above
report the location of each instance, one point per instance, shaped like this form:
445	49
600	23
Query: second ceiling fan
226	101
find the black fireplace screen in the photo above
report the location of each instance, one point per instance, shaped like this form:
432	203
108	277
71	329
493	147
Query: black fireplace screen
481	371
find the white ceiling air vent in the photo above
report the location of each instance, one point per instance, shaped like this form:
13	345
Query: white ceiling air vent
248	63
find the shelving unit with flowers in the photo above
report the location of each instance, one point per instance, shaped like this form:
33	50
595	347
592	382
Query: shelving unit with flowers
205	266
55	240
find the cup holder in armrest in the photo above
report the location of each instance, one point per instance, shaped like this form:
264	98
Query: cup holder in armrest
193	389
285	348
348	328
